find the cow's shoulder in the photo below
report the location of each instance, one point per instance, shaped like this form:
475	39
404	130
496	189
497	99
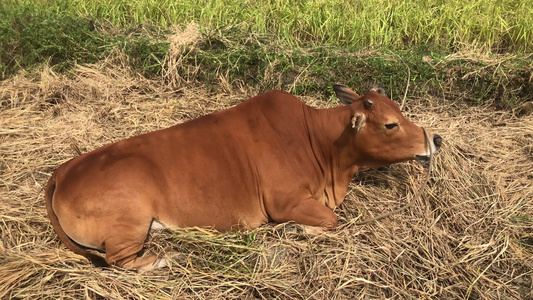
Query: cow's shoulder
279	96
277	102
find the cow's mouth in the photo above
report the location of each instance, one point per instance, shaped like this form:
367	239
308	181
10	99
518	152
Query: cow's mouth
423	159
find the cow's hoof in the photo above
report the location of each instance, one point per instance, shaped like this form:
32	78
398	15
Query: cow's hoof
313	230
158	263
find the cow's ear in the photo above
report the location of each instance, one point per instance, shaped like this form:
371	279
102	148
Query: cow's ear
358	121
380	89
345	94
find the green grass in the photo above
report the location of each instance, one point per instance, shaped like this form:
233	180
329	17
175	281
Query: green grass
33	33
498	25
264	64
29	36
301	46
456	24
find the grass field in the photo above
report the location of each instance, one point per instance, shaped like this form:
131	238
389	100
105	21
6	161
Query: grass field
499	25
79	74
303	48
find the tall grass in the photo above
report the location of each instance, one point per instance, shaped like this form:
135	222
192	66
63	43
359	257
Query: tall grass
498	25
505	25
301	46
34	32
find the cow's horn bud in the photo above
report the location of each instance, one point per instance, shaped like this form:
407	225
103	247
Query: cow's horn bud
368	104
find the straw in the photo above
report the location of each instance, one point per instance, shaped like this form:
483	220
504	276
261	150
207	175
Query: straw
468	235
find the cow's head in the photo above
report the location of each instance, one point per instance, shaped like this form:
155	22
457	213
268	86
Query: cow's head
382	135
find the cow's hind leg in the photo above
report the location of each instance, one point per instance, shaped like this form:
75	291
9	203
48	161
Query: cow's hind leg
125	249
142	263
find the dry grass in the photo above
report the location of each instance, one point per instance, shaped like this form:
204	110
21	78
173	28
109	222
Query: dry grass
470	236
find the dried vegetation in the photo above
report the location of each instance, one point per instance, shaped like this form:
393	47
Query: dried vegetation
469	235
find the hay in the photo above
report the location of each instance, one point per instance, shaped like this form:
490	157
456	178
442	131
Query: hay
470	235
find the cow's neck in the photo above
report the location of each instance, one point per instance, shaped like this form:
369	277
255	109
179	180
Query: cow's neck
330	135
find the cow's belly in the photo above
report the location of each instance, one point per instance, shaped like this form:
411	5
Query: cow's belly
203	189
225	213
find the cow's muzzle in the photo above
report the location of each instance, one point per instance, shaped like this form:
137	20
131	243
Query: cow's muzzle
423	159
432	144
437	141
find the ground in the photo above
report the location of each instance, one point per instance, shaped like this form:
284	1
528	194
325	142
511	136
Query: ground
469	235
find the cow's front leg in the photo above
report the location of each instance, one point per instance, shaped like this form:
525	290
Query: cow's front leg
305	211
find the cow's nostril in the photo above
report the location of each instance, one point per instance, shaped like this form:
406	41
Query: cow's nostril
437	140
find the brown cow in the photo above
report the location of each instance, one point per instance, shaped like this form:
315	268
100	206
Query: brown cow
270	158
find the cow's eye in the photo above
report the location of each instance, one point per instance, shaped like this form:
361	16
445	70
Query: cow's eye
391	125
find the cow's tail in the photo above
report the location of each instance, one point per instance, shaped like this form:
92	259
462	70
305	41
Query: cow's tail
96	259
